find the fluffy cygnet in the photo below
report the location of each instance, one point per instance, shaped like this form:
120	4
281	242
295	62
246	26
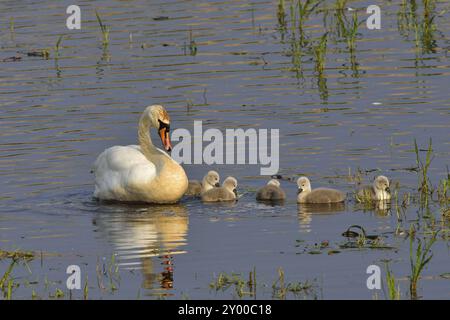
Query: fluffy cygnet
271	192
379	190
319	195
196	188
227	192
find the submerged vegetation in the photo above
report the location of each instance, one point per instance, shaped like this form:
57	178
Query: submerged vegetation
16	255
420	26
58	46
11	28
280	288
350	30
7	281
292	24
319	53
241	286
108	279
415	20
281	15
191	45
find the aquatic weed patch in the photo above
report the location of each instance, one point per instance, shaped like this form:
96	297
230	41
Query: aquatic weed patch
248	287
355	240
16	255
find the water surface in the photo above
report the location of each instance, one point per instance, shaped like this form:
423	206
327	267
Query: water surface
57	115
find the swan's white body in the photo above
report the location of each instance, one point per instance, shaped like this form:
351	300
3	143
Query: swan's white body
141	173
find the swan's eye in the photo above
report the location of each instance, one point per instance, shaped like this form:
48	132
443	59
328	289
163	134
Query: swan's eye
163	125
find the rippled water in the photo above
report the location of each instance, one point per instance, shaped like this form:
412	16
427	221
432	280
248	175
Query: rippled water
57	115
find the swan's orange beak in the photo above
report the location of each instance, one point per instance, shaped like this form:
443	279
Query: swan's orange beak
165	139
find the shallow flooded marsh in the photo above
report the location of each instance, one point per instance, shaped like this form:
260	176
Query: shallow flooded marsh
350	103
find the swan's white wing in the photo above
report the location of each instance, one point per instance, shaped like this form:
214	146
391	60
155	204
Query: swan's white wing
120	172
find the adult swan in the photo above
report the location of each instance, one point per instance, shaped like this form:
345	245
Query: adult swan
141	173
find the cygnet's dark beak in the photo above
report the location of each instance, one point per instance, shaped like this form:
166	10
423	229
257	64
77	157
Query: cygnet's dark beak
388	190
235	192
217	184
299	190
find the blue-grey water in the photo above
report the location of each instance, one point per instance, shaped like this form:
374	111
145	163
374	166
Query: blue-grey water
58	114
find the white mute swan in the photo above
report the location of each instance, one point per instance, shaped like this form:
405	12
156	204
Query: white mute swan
141	173
318	195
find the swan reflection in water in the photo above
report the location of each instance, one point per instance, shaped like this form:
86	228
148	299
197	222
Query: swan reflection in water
380	208
146	236
306	212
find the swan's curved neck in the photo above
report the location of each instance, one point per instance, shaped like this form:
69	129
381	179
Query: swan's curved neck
145	141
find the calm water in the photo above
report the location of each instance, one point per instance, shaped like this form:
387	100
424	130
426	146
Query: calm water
56	116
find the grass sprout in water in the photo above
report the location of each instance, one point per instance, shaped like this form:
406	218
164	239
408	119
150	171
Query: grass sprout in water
351	31
243	287
424	186
304	10
419	258
104	29
58	46
6	282
392	285
281	15
225	281
192	45
443	190
280	289
320	50
419	25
